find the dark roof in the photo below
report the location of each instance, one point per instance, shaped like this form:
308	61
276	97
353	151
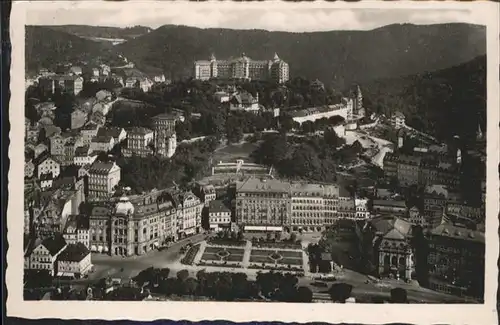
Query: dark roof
218	206
54	244
74	253
113	132
101	168
102	138
390	203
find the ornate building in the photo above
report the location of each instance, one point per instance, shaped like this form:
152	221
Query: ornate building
242	68
165	139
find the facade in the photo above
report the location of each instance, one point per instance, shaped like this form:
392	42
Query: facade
118	134
47	165
88	132
392	249
398	120
219	216
103	179
242	68
77	230
189	208
139	142
102	143
66	83
83	156
133	225
362	211
244	102
390	207
74	261
263	205
456	259
165	139
344	109
44	254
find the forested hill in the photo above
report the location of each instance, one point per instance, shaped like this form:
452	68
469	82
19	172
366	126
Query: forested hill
46	48
103	31
335	57
444	103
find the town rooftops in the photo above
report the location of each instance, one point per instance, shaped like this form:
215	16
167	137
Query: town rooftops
316	110
102	139
54	244
453	231
260	185
390	203
244	98
165	116
77	221
102	168
139	130
113	132
384	225
90	126
216	206
306	189
62	77
74	253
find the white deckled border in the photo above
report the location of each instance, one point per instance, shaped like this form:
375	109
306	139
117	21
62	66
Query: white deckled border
195	311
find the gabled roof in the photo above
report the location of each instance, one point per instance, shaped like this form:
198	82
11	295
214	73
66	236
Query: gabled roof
54	244
218	206
74	253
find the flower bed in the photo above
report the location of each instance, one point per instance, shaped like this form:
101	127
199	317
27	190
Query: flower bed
225	242
188	259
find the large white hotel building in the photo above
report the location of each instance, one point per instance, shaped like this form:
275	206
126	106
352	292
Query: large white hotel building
242	68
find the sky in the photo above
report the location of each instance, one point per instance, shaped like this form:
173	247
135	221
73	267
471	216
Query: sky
281	18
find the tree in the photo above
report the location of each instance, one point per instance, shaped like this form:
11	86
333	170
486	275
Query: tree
272	150
233	130
399	296
277	235
182	275
293	237
304	294
64	103
340	292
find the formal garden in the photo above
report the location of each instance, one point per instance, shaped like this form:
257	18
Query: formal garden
222	256
276	259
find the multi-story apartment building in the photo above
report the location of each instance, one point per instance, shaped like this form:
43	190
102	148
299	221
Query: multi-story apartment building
263	204
242	68
77	230
133	225
421	170
165	139
88	132
189	208
219	216
456	259
74	261
83	156
139	142
102	143
103	179
66	83
47	164
44	254
390	207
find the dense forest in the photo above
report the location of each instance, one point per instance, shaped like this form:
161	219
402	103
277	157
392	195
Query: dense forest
103	31
338	58
48	48
443	103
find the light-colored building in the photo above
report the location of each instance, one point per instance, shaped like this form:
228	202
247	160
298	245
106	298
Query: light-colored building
189	208
133	225
77	230
219	216
242	68
44	254
88	132
244	101
67	83
398	120
362	211
118	134
102	143
262	205
83	156
165	139
103	179
46	165
344	109
390	207
139	142
74	261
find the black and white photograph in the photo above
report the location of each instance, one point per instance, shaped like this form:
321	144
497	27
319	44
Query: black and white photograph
201	152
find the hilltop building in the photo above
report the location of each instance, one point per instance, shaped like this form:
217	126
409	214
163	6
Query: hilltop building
165	139
242	68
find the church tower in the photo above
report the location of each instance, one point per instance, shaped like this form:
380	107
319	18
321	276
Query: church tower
213	66
358	103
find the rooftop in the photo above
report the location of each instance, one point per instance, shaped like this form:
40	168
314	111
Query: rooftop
391	203
218	206
102	168
453	231
54	244
74	253
258	185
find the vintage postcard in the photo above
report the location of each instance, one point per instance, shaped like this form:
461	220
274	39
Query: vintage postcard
333	162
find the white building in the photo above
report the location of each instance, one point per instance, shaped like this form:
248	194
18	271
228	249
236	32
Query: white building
74	261
219	216
77	230
244	102
44	254
362	211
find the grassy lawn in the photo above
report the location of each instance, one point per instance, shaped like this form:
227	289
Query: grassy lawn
215	250
267	252
291	261
235	151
